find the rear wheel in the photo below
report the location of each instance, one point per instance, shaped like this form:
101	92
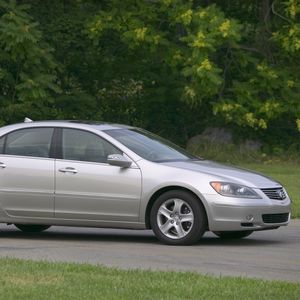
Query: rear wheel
32	228
232	234
178	218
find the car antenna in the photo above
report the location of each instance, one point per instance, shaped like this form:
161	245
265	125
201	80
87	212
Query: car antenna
27	120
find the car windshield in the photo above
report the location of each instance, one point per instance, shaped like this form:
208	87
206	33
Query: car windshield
150	146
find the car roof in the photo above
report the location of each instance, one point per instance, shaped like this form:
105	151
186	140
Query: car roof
69	123
95	124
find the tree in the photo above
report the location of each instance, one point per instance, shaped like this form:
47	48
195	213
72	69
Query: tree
240	61
27	67
172	66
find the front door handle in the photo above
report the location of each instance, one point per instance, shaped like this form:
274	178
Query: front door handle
2	165
68	170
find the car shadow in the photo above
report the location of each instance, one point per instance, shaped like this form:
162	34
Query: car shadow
128	236
101	236
245	242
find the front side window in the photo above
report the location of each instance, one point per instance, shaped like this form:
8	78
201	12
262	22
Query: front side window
85	146
34	142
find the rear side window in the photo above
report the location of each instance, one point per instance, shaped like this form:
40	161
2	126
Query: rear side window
34	142
2	144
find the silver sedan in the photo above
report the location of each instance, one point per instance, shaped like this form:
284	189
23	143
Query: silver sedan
103	175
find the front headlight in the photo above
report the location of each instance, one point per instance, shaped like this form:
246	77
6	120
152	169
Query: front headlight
234	190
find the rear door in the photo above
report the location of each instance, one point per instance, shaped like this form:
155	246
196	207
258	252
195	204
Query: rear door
27	173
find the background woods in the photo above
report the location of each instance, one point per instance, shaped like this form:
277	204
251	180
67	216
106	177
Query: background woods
174	67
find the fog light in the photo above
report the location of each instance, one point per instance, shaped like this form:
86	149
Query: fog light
249	218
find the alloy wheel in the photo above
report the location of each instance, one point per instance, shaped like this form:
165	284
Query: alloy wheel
175	218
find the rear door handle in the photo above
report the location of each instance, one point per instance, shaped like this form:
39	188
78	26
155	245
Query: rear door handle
2	165
68	170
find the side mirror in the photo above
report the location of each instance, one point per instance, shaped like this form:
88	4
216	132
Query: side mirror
118	160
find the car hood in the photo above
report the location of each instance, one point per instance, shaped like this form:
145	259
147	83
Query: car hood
227	173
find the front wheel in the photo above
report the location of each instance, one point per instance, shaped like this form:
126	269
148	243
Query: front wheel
232	234
32	228
178	218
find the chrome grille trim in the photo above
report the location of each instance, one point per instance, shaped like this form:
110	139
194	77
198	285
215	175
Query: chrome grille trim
275	193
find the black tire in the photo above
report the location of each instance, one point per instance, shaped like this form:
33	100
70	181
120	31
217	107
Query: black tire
32	228
232	234
181	206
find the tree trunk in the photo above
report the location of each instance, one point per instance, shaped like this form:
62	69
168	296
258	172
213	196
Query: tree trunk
265	32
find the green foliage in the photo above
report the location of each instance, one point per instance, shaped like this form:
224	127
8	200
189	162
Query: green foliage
206	52
27	68
180	38
263	82
172	66
288	36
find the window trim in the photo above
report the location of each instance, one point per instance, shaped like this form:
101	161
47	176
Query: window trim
55	149
4	143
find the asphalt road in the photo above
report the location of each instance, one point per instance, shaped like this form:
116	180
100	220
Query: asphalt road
271	254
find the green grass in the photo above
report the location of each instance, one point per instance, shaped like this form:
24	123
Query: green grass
41	280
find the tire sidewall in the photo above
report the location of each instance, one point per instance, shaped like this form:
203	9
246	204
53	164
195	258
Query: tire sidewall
200	219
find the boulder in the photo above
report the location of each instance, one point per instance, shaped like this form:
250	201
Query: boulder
211	135
219	137
251	145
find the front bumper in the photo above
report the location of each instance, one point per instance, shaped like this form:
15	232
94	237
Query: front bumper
235	214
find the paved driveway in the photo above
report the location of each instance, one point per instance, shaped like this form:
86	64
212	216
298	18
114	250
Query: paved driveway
269	254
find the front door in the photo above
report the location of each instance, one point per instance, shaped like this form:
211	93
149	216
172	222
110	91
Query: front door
87	187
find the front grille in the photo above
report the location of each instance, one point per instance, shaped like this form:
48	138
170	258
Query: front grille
275	194
275	218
